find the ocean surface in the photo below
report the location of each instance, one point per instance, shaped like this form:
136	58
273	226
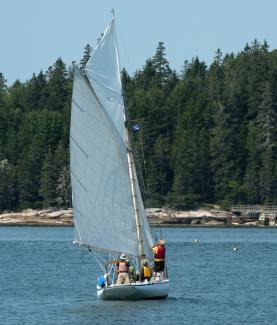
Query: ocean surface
45	279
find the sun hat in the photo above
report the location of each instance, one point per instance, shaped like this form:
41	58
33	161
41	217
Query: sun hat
123	256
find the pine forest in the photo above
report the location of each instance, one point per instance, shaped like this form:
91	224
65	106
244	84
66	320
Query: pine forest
204	135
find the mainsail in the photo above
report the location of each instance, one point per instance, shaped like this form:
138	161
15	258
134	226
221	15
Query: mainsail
102	197
103	72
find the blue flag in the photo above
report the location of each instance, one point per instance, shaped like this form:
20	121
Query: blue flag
136	127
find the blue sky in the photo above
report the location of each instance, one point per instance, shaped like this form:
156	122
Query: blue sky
34	33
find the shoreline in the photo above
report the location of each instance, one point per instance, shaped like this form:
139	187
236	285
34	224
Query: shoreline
164	225
157	217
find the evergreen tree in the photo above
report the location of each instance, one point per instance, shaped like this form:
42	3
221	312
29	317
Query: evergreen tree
161	65
3	114
86	57
7	185
48	181
226	139
3	88
63	188
266	121
209	135
267	177
251	186
35	92
56	90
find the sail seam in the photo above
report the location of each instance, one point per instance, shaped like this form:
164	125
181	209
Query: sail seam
103	111
78	180
91	73
75	103
77	144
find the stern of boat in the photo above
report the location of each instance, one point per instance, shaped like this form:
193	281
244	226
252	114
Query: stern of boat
135	291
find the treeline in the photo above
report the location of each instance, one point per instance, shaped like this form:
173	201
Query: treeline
205	135
34	132
208	135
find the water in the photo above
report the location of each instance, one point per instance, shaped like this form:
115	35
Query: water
44	279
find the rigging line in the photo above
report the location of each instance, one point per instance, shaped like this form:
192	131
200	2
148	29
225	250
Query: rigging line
132	145
133	183
113	268
99	257
142	171
143	193
100	265
153	182
146	194
138	165
131	169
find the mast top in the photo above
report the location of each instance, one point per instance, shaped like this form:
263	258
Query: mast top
113	12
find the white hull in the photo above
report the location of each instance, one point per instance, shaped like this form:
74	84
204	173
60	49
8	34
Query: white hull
135	291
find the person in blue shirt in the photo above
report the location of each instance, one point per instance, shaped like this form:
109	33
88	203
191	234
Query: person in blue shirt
101	281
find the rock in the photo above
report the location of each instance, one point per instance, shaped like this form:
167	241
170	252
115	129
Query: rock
156	216
213	222
195	221
251	223
29	213
56	214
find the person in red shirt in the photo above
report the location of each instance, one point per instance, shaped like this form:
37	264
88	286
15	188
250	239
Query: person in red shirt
159	258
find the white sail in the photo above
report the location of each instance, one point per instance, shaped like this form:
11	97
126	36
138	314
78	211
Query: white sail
102	201
103	72
102	197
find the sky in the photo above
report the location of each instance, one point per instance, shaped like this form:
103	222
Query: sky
34	33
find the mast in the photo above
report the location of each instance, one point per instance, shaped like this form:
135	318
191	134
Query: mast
131	169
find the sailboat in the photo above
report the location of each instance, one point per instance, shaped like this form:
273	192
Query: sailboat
108	210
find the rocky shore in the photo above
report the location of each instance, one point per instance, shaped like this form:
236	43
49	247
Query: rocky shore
157	217
30	217
200	217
